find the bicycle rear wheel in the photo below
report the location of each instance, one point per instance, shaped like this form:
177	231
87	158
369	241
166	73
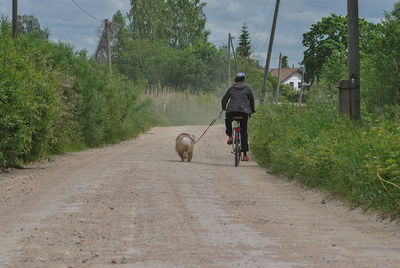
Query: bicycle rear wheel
237	153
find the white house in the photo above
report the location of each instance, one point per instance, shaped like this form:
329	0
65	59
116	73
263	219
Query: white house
291	76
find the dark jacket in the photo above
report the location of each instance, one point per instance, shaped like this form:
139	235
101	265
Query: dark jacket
240	99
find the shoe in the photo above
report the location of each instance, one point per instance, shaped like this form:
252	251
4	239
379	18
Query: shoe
245	158
230	140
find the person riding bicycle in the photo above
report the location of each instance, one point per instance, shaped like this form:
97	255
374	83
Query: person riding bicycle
241	103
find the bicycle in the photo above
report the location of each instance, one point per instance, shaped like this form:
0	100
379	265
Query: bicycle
237	145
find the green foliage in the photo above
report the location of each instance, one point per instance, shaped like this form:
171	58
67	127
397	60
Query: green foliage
254	79
286	92
316	146
29	24
324	94
380	67
180	23
284	89
285	63
244	48
165	42
53	100
380	61
334	68
187	21
104	102
358	161
329	35
28	102
289	94
147	20
198	67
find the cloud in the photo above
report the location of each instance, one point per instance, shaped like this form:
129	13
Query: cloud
286	40
119	4
295	18
67	22
5	8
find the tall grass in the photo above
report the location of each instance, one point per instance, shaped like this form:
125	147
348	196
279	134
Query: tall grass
357	161
183	107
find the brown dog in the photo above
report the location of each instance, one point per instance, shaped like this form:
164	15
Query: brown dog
184	146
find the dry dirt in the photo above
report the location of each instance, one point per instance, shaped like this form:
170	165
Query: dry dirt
136	205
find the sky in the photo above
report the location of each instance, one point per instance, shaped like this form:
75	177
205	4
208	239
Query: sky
68	23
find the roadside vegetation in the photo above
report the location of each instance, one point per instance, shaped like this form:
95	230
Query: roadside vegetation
54	100
356	161
177	108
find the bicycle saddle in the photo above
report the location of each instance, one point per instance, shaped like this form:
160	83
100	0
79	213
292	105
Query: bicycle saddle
237	117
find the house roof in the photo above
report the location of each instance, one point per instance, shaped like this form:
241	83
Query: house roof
285	73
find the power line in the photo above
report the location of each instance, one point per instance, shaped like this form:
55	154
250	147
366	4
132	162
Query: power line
263	17
87	13
265	22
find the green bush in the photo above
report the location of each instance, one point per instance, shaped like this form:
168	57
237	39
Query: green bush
28	102
293	95
53	100
318	147
107	106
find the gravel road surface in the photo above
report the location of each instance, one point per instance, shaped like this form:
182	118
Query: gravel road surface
135	204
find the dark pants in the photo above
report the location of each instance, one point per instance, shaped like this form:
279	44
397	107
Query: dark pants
243	128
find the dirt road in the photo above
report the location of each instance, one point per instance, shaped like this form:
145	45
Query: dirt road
135	205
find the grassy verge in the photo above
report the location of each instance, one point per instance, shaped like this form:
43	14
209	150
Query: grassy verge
359	162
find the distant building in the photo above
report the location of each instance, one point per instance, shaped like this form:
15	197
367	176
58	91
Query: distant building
290	76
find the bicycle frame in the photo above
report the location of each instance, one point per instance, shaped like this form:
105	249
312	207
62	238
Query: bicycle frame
237	145
236	132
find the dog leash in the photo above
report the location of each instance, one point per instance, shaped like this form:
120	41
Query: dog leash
212	123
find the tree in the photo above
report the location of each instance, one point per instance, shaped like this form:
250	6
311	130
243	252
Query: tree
122	37
285	63
179	23
334	68
186	22
244	48
328	35
381	67
165	42
30	24
27	24
147	19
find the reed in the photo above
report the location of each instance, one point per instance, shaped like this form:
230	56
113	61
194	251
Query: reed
176	107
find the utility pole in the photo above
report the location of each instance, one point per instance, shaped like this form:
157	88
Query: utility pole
234	55
229	60
14	18
302	84
353	57
349	90
279	78
264	96
107	26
